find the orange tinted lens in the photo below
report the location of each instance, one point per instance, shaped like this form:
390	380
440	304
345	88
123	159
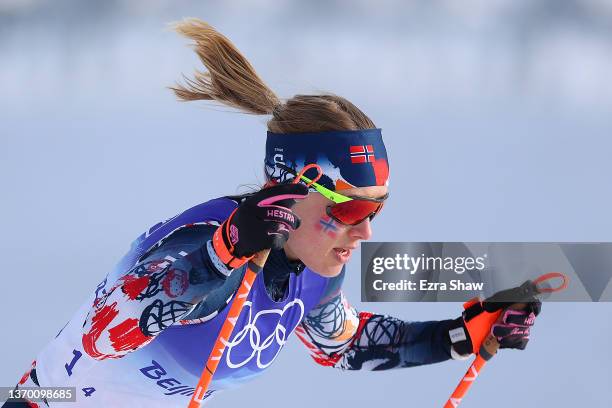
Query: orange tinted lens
355	211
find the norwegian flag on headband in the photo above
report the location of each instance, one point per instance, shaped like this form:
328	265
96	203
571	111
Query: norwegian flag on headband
362	154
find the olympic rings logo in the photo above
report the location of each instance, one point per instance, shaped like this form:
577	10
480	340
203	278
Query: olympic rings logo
250	331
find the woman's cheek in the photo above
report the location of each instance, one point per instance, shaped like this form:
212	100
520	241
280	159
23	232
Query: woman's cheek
326	226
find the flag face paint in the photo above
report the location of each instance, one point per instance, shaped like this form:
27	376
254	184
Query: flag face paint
327	226
349	159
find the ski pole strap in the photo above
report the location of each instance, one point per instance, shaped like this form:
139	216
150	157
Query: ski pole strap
538	282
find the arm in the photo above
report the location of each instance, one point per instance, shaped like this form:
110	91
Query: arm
156	293
337	335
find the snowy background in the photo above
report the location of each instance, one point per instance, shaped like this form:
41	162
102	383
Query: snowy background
495	115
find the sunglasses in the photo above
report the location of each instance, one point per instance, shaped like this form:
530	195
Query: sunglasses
346	210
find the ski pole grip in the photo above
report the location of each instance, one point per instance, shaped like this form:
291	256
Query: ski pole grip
489	347
259	260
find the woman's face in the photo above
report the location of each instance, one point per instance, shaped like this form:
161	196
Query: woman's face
321	243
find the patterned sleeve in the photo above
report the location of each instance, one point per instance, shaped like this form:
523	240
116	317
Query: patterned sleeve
337	335
162	288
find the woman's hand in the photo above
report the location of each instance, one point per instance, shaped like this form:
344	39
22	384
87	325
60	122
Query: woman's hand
512	327
262	221
508	315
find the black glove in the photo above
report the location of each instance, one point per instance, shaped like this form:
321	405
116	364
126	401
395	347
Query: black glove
263	221
508	315
512	327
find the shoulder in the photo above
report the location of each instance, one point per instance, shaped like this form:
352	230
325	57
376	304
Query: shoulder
211	213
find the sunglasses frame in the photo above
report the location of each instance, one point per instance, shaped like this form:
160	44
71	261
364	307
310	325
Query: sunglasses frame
337	198
328	209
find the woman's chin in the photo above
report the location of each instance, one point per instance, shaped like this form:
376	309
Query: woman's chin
328	271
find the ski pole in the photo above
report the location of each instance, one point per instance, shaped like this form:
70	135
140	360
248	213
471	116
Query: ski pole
254	265
490	345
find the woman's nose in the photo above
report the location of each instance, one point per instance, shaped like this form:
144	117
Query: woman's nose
362	231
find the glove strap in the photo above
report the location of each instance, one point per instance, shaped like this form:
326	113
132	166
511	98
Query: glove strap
224	248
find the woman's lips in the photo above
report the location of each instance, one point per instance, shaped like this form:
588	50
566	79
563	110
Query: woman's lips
343	254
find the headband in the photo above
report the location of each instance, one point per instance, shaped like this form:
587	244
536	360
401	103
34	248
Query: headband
348	158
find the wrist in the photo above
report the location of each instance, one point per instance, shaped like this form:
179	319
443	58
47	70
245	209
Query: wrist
224	249
459	340
216	262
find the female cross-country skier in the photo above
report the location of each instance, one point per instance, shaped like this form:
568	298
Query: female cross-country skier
143	338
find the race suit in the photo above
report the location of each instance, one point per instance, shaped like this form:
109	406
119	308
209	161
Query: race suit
143	337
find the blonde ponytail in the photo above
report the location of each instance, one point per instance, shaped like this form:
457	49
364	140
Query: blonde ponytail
230	80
